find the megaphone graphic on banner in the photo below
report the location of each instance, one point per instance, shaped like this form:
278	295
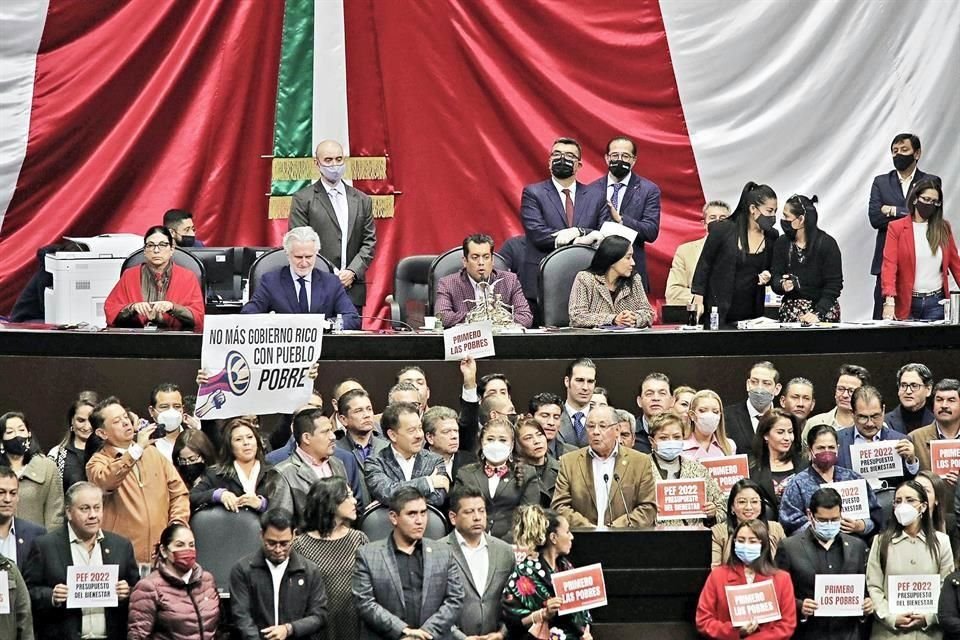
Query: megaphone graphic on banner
233	379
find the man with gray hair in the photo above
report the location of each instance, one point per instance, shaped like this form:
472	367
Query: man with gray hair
300	287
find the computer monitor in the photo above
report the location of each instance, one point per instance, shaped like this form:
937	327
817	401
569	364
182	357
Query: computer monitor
223	281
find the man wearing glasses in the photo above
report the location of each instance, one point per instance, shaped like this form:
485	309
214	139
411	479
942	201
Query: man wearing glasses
914	386
869	427
559	211
631	199
605	485
850	377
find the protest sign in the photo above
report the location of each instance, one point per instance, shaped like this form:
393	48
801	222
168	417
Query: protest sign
680	499
579	589
474	339
856	504
4	593
945	456
92	586
876	459
755	602
727	470
913	593
257	363
839	594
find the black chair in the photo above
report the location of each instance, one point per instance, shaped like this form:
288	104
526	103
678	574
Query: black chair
408	302
557	273
180	258
450	262
223	537
885	500
277	259
376	524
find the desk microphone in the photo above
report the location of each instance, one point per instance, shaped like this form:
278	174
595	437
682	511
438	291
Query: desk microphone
616	478
406	327
606	482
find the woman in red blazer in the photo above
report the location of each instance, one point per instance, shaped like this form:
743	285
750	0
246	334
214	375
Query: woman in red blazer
904	297
751	562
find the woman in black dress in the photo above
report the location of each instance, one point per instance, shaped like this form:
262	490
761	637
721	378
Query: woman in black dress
807	268
734	267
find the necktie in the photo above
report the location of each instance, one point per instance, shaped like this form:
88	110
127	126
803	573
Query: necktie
302	297
339	208
500	471
578	427
568	206
616	195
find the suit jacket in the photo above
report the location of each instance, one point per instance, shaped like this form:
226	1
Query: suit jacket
566	433
886	191
295	477
378	593
575	497
592	304
47	567
345	456
201	494
680	278
26	532
454	290
900	264
384	476
311	207
543	215
345	444
640	210
715	275
548	478
797	556
480	613
302	602
739	426
510	494
18	624
894	419
278	294
845	438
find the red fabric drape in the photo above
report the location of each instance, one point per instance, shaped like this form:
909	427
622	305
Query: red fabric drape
467	96
141	106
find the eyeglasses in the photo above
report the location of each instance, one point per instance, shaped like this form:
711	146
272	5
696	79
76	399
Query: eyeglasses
924	200
862	419
845	391
621	156
743	502
190	460
565	154
601	426
278	544
156	246
911	386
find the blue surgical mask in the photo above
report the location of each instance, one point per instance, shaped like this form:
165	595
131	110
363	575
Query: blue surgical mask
334	172
826	531
669	449
747	551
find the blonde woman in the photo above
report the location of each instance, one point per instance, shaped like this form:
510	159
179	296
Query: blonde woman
708	435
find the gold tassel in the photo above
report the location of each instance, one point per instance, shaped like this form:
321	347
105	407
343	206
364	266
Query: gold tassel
367	168
280	207
360	168
382	206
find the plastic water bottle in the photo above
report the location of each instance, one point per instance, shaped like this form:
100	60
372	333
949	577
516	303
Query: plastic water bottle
338	324
714	318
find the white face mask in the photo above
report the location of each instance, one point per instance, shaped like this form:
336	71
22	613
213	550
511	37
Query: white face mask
170	418
496	452
707	423
333	172
905	514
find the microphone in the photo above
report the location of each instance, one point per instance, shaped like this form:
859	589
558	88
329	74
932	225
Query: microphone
606	513
626	511
406	327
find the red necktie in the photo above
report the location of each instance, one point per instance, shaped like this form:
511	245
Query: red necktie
568	206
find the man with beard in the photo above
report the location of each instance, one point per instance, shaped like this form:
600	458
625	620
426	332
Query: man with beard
741	419
580	381
914	385
946	426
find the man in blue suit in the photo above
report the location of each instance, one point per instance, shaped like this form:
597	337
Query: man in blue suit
888	199
632	200
559	211
301	288
16	534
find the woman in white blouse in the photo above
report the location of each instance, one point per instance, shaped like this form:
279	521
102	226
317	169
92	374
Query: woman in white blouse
609	293
242	479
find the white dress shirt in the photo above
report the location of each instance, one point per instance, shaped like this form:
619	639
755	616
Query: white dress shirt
94	621
249	483
296	285
928	277
623	189
563	198
754	416
8	545
478	560
603	467
276	574
338	198
905	182
406	465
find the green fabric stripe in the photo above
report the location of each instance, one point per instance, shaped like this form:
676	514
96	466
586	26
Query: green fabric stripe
293	128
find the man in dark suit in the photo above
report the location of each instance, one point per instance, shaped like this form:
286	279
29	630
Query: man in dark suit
299	287
80	542
342	217
547	410
559	211
632	200
822	549
355	415
297	606
514	253
888	199
580	381
653	398
407	587
405	463
16	534
442	432
455	290
485	565
914	387
740	420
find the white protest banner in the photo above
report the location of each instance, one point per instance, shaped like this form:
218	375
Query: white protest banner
913	593
610	228
462	340
755	602
856	504
92	586
876	459
839	594
4	593
681	499
727	470
945	456
257	363
579	589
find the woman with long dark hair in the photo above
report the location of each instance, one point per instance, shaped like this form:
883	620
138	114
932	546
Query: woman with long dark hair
807	268
747	501
193	454
242	479
918	257
41	490
532	450
609	292
69	454
734	267
910	545
330	543
776	453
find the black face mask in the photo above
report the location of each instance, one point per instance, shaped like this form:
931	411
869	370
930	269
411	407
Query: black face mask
619	169
902	160
561	168
925	209
190	472
186	241
766	222
17	446
788	230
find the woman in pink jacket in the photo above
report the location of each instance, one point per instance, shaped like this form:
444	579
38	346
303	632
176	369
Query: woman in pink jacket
178	600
